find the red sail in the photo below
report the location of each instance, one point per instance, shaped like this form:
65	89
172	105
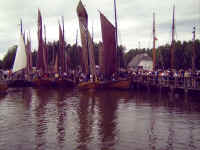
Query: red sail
61	50
29	55
109	46
101	58
45	56
86	40
83	23
56	64
41	58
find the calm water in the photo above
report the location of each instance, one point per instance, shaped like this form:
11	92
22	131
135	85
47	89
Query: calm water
55	119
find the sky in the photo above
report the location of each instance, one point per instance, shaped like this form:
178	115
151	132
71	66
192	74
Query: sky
134	20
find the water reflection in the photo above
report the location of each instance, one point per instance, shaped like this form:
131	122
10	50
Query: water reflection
151	132
61	110
171	133
191	144
85	112
107	119
107	106
27	97
40	116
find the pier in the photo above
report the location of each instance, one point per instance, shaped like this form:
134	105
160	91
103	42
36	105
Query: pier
187	85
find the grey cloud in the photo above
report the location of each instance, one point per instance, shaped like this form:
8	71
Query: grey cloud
136	13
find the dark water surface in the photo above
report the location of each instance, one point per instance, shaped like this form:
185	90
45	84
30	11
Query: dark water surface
69	119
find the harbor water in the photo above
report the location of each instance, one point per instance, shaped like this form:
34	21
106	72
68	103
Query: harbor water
70	119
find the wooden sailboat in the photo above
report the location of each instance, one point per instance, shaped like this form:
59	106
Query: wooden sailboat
19	76
42	78
87	51
62	80
109	62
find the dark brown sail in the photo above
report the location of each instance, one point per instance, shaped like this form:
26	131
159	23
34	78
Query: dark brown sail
83	23
45	54
29	55
86	40
101	58
109	46
61	50
173	39
41	61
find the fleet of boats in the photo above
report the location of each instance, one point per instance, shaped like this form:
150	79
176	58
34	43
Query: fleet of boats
23	73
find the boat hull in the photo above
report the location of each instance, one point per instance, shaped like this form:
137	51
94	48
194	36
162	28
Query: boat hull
3	87
116	84
42	82
87	85
64	83
19	83
120	84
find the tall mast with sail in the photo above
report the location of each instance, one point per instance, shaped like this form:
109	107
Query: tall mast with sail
45	51
116	35
65	56
173	39
86	40
83	23
29	54
41	59
193	51
61	50
154	43
20	58
109	59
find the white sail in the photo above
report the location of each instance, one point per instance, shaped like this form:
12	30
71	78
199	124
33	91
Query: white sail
20	58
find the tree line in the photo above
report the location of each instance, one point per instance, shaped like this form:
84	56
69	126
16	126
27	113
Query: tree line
182	55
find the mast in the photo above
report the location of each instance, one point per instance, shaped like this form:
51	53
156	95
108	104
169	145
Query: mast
28	55
60	52
40	56
109	47
63	45
193	51
77	38
173	39
86	40
63	28
116	34
45	50
83	24
92	33
154	43
21	28
20	61
87	45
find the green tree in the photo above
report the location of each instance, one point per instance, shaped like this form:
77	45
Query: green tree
9	58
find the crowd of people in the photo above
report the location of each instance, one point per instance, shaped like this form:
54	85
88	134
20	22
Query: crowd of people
188	77
191	77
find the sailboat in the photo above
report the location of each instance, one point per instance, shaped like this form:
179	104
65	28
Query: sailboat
109	62
89	67
42	78
19	77
62	80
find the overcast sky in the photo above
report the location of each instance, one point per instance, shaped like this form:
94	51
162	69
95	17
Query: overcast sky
134	20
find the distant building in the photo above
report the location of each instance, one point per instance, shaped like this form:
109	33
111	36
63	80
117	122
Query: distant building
142	61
